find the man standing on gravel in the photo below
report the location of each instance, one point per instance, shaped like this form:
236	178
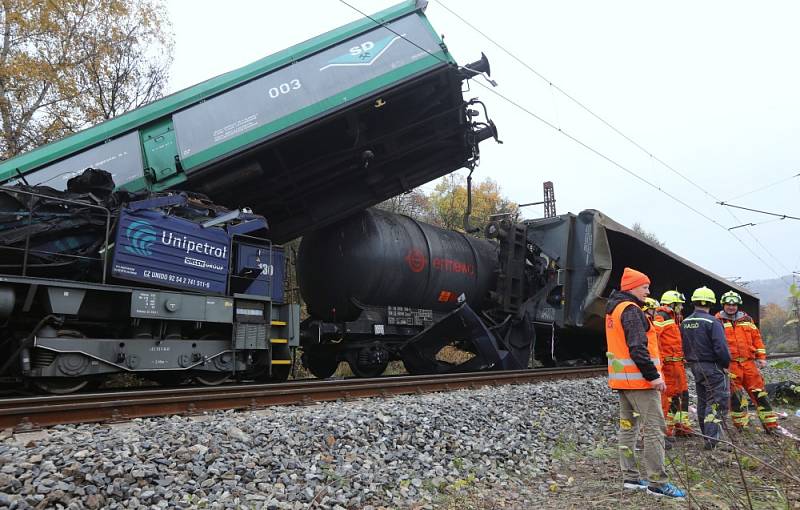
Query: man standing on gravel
748	355
634	371
706	351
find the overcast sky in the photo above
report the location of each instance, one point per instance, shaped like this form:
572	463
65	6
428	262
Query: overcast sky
710	88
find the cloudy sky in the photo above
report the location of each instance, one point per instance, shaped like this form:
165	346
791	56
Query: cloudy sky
708	88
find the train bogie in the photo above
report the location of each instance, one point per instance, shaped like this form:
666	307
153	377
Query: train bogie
73	330
208	301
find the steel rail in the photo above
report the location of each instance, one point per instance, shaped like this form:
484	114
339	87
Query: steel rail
31	413
782	355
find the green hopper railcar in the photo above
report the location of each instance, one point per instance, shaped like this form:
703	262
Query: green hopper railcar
304	137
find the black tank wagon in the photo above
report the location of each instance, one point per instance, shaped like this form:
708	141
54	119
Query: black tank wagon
389	287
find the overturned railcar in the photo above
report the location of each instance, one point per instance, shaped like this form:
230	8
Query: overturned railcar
306	136
391	287
587	253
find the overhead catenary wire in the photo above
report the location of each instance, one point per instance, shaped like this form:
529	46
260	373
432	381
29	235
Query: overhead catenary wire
637	176
757	224
619	132
766	186
567	95
780	216
585	145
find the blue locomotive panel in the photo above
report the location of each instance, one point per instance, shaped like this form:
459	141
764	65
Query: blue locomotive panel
269	266
171	252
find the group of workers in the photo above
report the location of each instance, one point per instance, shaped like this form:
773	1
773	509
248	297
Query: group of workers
650	344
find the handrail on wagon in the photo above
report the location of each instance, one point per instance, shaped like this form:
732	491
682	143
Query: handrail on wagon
30	207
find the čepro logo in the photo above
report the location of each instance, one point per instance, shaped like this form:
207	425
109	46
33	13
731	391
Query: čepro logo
365	54
141	237
416	260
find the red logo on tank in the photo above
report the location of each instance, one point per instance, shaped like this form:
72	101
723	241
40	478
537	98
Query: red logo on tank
415	260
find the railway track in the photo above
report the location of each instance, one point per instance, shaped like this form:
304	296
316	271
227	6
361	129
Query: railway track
783	355
31	413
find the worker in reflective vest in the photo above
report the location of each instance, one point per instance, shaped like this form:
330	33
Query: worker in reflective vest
748	354
634	371
674	401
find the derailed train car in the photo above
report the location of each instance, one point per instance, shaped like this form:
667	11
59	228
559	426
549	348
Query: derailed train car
304	137
390	287
92	285
589	251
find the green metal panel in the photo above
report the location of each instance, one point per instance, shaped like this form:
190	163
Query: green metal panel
160	110
312	111
158	143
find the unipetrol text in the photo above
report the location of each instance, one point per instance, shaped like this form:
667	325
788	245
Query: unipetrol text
182	242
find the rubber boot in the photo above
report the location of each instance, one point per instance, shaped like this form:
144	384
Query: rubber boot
739	414
769	420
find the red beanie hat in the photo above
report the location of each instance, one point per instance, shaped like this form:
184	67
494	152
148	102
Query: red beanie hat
632	278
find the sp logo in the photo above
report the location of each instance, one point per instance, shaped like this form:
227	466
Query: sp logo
362	51
609	322
415	260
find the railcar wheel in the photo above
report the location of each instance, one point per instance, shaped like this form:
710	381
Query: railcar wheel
69	363
61	385
321	364
368	361
367	370
213	379
224	362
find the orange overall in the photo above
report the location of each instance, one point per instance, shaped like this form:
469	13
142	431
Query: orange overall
674	401
746	346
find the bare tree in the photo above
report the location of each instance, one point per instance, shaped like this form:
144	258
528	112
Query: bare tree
639	229
67	64
413	203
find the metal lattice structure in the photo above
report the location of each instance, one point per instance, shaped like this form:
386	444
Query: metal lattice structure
549	200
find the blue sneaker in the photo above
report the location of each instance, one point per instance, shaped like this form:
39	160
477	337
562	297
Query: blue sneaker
635	485
668	490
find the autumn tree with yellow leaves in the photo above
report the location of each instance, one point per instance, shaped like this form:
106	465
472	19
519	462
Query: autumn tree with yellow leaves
448	201
69	64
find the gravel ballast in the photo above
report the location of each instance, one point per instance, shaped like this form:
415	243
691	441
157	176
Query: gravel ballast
411	451
397	452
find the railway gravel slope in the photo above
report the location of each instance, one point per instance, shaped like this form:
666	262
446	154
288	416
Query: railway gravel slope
400	452
518	446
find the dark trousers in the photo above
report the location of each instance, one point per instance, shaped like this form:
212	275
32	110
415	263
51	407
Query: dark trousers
713	398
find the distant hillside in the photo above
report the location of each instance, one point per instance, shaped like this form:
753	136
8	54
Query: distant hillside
774	290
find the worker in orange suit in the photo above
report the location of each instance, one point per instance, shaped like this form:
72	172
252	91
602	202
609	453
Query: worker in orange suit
748	355
674	401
